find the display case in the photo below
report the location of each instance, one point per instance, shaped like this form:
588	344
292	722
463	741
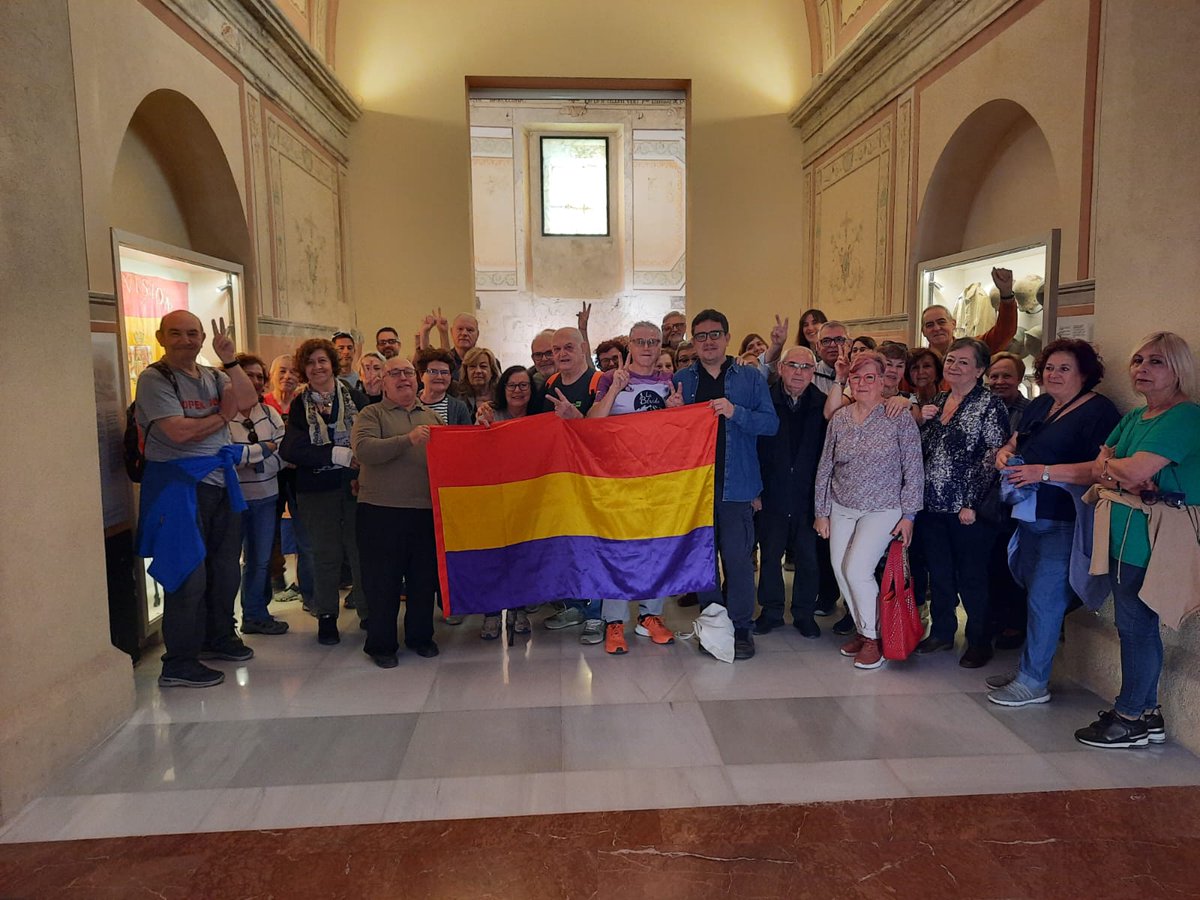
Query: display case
963	284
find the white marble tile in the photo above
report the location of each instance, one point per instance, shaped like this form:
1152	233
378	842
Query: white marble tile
649	677
412	800
484	742
811	782
248	693
500	683
636	734
536	793
462	644
295	806
902	726
365	689
995	774
112	815
648	787
1162	766
767	675
754	732
937	673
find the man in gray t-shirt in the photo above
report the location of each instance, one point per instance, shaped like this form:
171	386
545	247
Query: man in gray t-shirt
187	414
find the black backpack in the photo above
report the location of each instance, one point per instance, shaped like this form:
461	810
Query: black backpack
134	441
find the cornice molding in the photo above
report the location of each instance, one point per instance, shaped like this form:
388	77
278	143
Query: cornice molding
903	42
256	37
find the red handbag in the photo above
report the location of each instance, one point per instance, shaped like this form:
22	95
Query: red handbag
900	626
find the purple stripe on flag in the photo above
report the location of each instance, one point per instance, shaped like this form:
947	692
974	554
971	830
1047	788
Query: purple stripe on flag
582	567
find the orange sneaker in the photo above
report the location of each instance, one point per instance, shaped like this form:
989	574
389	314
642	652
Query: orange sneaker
870	656
852	646
614	638
653	628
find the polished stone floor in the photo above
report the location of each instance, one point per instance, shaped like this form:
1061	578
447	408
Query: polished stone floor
1114	844
305	735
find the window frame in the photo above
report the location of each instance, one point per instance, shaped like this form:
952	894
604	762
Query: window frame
607	233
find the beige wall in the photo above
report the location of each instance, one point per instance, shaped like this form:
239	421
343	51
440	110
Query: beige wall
143	199
410	201
65	686
1147	235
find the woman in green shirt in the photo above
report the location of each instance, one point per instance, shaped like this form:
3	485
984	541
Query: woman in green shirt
1154	452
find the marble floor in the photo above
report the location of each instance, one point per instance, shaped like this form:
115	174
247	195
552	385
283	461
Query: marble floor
305	735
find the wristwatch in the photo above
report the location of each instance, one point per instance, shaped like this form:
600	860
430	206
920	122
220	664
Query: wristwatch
1046	474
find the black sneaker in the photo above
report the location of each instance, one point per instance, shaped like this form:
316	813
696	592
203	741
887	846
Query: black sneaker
743	643
763	625
327	630
844	626
426	650
808	628
1156	726
231	649
193	675
385	660
1112	730
264	626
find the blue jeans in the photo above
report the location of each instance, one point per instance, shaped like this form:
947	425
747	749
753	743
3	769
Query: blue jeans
258	537
589	608
304	558
1141	641
735	540
1047	545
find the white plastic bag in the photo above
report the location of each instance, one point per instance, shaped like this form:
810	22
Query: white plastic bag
714	630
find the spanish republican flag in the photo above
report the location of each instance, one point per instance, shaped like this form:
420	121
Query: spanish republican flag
542	508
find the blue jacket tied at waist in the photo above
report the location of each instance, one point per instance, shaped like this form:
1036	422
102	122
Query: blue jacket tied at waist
168	527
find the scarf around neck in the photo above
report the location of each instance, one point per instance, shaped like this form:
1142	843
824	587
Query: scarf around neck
343	408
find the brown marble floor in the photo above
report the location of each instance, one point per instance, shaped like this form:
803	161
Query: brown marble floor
1142	842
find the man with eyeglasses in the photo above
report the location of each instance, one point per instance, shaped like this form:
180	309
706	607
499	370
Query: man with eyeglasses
396	546
387	342
541	349
570	393
938	324
257	430
788	460
343	343
833	341
632	388
674	329
738	395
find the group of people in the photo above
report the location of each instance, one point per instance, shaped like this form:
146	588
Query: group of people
827	452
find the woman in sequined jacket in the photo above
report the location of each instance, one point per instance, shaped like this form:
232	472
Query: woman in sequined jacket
960	432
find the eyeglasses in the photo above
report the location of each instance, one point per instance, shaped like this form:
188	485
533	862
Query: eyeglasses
543	354
675	326
799	367
251	434
438	373
1172	499
519	388
401	373
645	342
715	335
832	341
387	342
864	379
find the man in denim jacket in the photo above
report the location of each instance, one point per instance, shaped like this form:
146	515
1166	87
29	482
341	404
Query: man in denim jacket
739	396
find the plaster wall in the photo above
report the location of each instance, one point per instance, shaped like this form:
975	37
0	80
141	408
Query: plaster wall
410	153
122	52
143	199
1147	232
1039	61
65	685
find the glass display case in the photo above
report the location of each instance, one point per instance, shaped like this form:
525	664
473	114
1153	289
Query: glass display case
962	283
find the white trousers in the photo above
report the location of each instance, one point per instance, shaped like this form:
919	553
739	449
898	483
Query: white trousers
857	540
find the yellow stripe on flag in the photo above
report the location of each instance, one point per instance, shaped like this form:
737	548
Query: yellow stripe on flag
564	503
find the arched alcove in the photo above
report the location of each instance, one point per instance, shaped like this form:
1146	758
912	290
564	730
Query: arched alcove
172	181
994	181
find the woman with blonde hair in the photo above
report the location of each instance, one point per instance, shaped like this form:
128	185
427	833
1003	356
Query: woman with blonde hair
480	375
1150	466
